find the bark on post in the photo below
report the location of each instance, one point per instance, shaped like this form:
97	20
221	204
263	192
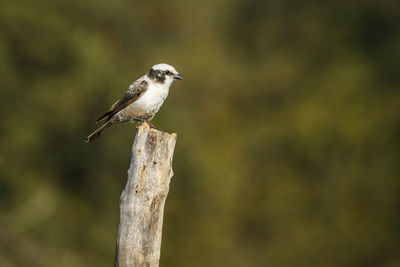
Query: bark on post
141	205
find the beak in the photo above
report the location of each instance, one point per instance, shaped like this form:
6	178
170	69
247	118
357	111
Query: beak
178	77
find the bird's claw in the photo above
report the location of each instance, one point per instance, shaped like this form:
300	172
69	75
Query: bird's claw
141	121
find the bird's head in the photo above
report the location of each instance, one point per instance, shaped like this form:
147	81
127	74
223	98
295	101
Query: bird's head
163	73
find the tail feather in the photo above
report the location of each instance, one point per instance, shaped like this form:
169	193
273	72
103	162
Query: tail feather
106	116
93	136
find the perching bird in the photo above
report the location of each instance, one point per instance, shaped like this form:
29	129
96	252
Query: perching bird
143	99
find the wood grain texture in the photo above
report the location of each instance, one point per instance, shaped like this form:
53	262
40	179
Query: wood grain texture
141	206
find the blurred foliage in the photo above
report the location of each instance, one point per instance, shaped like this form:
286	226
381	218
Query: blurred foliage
288	122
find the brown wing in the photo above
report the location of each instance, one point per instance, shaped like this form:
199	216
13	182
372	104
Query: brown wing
134	92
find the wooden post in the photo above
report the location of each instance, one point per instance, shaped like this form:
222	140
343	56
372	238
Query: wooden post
141	205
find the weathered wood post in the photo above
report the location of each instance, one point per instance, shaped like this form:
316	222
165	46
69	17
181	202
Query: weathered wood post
141	205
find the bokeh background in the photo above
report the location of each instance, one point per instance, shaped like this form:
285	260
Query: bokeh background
288	123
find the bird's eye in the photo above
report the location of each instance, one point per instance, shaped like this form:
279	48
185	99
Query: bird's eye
167	72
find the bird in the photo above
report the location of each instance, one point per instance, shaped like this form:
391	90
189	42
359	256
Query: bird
141	101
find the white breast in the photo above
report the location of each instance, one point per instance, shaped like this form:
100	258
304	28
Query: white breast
154	97
148	104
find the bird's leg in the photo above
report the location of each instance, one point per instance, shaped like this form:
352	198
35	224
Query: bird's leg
140	120
151	125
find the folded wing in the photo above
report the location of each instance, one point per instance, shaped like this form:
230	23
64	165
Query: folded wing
133	93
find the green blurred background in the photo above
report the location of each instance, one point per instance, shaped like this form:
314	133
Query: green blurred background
288	123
